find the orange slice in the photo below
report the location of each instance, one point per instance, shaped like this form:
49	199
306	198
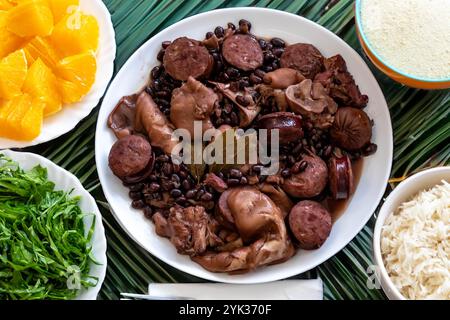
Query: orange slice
79	68
5	5
21	118
13	71
75	34
40	47
31	18
41	84
9	42
60	8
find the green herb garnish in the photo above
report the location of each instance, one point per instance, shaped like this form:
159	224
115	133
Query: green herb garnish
44	250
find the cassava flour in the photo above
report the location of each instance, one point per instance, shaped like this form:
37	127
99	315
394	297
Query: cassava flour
412	36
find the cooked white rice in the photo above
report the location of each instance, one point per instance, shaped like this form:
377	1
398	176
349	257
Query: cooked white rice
415	245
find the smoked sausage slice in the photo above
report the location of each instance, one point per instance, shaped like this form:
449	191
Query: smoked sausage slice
243	52
187	57
303	57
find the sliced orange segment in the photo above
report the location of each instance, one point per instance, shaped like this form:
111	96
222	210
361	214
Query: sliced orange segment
71	92
9	42
31	18
31	123
40	47
14	120
15	67
75	34
41	84
60	8
6	109
78	68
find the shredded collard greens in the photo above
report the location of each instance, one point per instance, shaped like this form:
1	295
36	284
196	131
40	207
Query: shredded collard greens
44	250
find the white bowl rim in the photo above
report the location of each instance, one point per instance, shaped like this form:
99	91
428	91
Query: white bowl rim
99	228
384	213
213	276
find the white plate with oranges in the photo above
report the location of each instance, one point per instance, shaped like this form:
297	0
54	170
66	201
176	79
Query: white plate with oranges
56	60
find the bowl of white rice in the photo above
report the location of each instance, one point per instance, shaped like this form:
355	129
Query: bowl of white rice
412	238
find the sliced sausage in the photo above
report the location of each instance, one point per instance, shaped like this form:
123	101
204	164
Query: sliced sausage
341	177
310	222
309	183
129	156
303	57
187	57
243	52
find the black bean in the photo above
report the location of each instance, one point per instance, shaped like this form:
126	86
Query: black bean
137	187
220	175
186	185
166	112
134	195
286	173
183	174
148	212
370	149
327	151
244	26
268	68
209	34
262	43
254	79
232	72
242	100
199	194
165	44
153	187
181	200
219	32
268	57
243	83
231	26
176	193
153	177
257	168
299	167
227	120
138	204
235	173
278	43
167	185
216	56
243	181
219	65
191	194
160	55
206	197
156	72
233	182
149	90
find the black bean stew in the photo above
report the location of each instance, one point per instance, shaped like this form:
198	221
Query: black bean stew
234	218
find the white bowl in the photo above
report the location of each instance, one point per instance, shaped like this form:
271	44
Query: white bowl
70	115
403	192
268	23
64	180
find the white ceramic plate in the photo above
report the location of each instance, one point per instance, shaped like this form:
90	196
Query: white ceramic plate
64	180
65	120
268	23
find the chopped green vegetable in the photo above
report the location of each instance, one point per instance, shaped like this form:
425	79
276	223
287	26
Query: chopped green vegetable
45	252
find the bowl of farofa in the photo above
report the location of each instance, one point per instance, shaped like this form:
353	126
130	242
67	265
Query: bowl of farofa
411	238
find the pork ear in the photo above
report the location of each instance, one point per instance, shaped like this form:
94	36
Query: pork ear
248	112
122	118
300	98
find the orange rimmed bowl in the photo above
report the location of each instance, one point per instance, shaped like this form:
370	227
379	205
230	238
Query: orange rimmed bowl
393	73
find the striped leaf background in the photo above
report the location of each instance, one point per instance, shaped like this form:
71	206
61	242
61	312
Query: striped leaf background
421	132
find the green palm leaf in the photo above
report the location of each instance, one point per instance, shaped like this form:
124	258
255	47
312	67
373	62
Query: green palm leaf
421	133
